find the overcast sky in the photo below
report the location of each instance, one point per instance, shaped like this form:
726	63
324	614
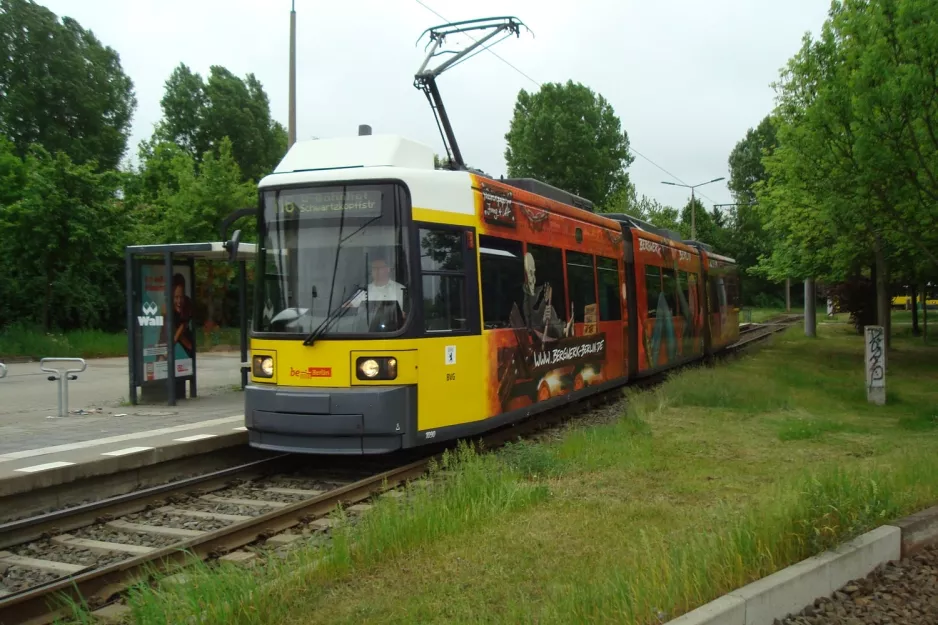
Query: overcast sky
687	78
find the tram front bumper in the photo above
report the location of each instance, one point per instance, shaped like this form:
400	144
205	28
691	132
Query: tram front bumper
357	420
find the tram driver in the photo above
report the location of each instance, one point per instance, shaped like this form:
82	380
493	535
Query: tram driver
381	291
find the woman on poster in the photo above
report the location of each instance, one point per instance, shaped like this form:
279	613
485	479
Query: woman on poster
183	340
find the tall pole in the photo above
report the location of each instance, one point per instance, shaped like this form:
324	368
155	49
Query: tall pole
291	130
693	204
810	302
693	216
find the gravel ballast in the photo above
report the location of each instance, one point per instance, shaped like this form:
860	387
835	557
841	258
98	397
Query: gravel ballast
896	593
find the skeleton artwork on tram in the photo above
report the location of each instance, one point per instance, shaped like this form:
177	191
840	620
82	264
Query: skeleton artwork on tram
539	312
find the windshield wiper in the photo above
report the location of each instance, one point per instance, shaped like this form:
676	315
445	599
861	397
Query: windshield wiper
334	314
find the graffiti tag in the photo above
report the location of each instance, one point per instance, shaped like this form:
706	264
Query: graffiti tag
649	246
875	362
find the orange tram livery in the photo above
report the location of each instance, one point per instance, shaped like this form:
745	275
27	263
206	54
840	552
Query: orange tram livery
398	304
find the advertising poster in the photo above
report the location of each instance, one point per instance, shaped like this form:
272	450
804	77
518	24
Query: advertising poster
543	351
153	317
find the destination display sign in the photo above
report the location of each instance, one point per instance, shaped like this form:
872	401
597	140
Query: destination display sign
324	204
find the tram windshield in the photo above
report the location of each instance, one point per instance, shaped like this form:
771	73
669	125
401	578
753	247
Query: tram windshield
333	261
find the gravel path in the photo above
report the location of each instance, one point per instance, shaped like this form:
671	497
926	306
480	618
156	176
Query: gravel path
902	593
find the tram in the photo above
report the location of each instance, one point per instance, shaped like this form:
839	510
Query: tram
399	304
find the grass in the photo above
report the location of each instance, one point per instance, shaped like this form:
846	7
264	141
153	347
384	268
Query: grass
716	478
29	342
758	315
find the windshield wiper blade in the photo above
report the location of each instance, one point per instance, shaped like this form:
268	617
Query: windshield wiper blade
331	317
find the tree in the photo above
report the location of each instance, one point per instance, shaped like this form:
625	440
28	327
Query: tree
198	115
745	161
624	200
61	88
747	240
568	136
850	184
12	173
709	225
63	244
176	198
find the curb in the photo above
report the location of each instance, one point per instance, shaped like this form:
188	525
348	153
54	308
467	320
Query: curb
107	466
790	590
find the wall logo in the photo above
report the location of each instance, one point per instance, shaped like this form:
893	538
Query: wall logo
149	316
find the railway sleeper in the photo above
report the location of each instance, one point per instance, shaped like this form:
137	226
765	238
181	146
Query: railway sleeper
43	565
100	546
257	503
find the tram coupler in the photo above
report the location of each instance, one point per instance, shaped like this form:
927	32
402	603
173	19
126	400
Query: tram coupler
62	375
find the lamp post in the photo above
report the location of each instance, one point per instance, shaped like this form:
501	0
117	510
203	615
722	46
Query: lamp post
693	206
291	121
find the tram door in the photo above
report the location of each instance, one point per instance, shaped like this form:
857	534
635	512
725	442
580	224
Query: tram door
450	352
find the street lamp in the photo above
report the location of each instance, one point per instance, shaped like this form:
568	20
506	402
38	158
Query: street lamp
693	206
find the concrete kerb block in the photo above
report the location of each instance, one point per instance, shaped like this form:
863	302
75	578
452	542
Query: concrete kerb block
793	588
918	530
787	591
727	610
857	558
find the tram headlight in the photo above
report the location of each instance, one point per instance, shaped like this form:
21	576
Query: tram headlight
376	368
263	367
369	368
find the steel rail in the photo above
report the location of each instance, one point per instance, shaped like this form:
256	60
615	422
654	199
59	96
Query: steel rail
67	519
95	587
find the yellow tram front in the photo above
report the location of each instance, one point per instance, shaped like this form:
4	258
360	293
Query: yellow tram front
339	327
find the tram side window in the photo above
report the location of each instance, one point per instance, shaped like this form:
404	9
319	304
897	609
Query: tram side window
652	289
669	286
717	294
610	307
547	268
581	283
732	291
683	281
502	264
444	280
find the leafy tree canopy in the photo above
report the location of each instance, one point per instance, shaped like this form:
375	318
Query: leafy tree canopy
570	137
199	114
61	88
61	238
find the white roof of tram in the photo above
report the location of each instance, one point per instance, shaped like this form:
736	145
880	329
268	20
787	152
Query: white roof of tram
371	157
357	151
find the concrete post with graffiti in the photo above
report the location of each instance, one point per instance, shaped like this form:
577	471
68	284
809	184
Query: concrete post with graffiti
875	364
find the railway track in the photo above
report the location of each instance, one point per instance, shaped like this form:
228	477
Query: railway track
93	552
753	333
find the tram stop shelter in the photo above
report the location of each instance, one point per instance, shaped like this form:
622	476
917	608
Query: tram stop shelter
161	338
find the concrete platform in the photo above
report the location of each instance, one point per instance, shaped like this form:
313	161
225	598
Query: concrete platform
98	403
103	434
